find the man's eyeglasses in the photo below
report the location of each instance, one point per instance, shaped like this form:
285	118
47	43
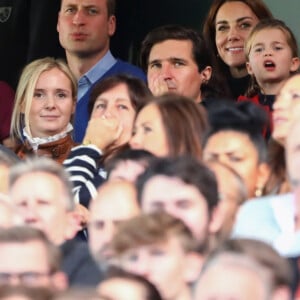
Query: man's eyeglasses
27	278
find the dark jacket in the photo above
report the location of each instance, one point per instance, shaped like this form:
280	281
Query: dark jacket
79	265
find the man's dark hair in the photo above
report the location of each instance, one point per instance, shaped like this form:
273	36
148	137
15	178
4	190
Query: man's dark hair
111	7
187	169
244	117
176	32
137	155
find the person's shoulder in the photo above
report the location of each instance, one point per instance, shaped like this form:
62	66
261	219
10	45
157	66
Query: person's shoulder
266	201
127	64
79	265
128	68
254	210
259	218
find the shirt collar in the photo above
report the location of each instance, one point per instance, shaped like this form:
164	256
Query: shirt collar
36	141
100	68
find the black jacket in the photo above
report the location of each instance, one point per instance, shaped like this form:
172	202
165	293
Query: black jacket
79	265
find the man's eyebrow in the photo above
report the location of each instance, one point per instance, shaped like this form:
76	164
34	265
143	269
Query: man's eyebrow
169	59
175	59
154	61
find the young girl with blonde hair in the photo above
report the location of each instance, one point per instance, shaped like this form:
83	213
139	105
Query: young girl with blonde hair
272	57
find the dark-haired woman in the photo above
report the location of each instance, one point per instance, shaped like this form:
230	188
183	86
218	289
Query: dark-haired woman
235	139
113	105
170	125
225	29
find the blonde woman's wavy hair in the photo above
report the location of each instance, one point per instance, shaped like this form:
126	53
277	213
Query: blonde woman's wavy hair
26	87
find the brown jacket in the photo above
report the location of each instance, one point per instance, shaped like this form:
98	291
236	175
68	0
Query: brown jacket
57	150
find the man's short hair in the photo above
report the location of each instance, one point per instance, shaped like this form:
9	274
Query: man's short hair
148	229
111	7
261	256
45	165
150	291
136	155
25	234
200	53
188	170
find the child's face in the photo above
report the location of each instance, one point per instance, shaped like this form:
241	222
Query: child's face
270	57
163	264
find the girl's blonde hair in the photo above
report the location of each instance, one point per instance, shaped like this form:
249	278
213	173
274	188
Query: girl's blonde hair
26	88
254	88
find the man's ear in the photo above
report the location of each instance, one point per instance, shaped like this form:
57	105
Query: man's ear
206	73
73	225
216	220
193	265
58	19
111	25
